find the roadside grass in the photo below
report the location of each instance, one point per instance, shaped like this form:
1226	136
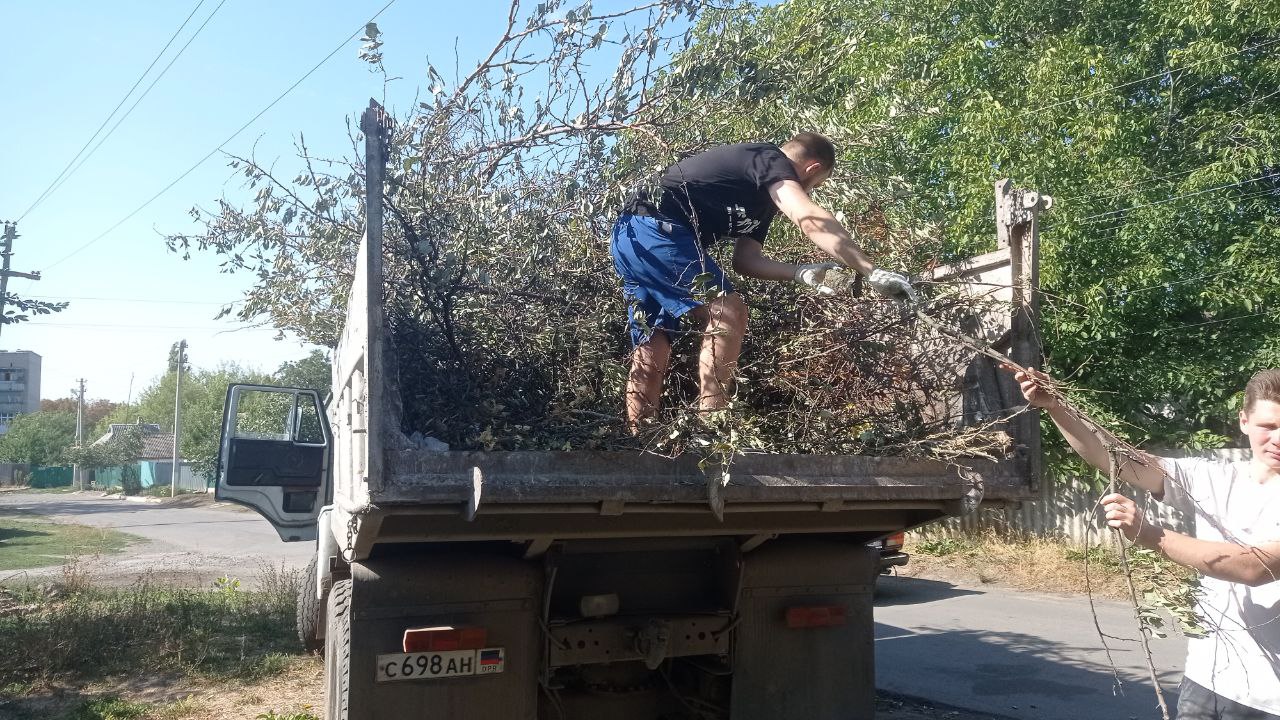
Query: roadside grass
1048	565
83	643
60	490
29	542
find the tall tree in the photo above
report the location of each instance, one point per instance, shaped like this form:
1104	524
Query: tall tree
312	372
94	410
39	438
1155	124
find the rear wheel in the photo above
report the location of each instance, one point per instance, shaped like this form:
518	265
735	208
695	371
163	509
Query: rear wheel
337	656
311	610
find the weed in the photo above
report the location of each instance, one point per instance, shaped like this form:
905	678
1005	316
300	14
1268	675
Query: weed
226	584
108	708
943	546
271	715
89	633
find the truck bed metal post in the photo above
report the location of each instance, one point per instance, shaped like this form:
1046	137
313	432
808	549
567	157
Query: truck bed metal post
373	123
1017	228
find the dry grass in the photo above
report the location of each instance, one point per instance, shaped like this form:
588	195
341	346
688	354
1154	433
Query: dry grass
295	691
1031	563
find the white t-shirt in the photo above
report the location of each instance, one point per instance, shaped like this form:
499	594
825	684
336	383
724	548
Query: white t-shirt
1239	658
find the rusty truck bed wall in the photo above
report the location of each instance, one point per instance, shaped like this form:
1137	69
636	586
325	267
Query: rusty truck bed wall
384	492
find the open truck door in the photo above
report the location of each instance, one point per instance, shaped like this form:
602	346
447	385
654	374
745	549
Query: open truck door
274	456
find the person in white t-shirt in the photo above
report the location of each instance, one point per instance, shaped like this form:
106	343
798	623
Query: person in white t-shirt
1233	673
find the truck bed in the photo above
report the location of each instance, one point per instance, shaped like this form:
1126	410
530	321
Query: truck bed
386	492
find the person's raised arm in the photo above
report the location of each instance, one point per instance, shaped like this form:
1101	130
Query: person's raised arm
819	225
1089	439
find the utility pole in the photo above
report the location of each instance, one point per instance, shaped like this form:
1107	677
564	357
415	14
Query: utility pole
177	419
10	234
77	472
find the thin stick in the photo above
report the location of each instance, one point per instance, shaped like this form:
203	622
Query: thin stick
1144	632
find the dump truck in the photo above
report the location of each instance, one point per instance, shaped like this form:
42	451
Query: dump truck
523	585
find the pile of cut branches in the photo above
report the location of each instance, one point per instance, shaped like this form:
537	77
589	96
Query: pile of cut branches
507	321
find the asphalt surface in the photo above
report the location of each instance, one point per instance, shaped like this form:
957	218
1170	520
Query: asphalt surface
1019	655
186	544
995	653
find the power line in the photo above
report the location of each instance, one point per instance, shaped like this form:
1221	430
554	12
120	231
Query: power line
1139	182
40	198
1170	199
152	301
115	326
1164	72
212	152
1119	221
140	97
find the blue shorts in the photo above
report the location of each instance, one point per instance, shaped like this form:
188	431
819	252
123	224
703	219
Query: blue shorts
665	274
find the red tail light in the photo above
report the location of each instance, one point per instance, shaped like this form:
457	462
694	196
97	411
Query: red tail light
895	540
445	637
816	616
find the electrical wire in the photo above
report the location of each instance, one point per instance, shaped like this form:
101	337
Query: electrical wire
49	190
1164	72
214	151
140	98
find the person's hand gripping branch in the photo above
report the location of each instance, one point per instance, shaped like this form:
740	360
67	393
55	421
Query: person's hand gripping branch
893	285
814	275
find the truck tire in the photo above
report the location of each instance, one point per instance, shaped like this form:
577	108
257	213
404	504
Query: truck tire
337	657
311	610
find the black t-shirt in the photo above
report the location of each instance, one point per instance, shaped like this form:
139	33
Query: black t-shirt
724	192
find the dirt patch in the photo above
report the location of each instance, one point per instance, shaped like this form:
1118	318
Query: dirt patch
298	689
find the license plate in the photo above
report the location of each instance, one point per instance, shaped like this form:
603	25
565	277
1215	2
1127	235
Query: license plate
432	665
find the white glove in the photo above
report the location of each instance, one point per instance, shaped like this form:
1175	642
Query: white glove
892	285
812	274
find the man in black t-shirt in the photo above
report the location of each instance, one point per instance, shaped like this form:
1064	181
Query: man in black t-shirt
731	192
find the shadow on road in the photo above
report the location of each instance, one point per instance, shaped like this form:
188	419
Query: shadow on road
1022	675
896	590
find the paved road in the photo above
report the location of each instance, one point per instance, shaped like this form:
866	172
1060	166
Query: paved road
196	544
1021	655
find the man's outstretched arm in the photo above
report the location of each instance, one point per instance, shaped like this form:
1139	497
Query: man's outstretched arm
1251	565
819	225
1145	471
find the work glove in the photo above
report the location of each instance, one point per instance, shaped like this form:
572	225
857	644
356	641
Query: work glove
811	275
892	285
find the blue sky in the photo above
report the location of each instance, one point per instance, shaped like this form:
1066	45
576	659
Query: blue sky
64	66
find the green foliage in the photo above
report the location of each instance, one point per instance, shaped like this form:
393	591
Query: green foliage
38	438
1153	124
109	708
121	449
1163	585
943	546
19	309
28	543
311	372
